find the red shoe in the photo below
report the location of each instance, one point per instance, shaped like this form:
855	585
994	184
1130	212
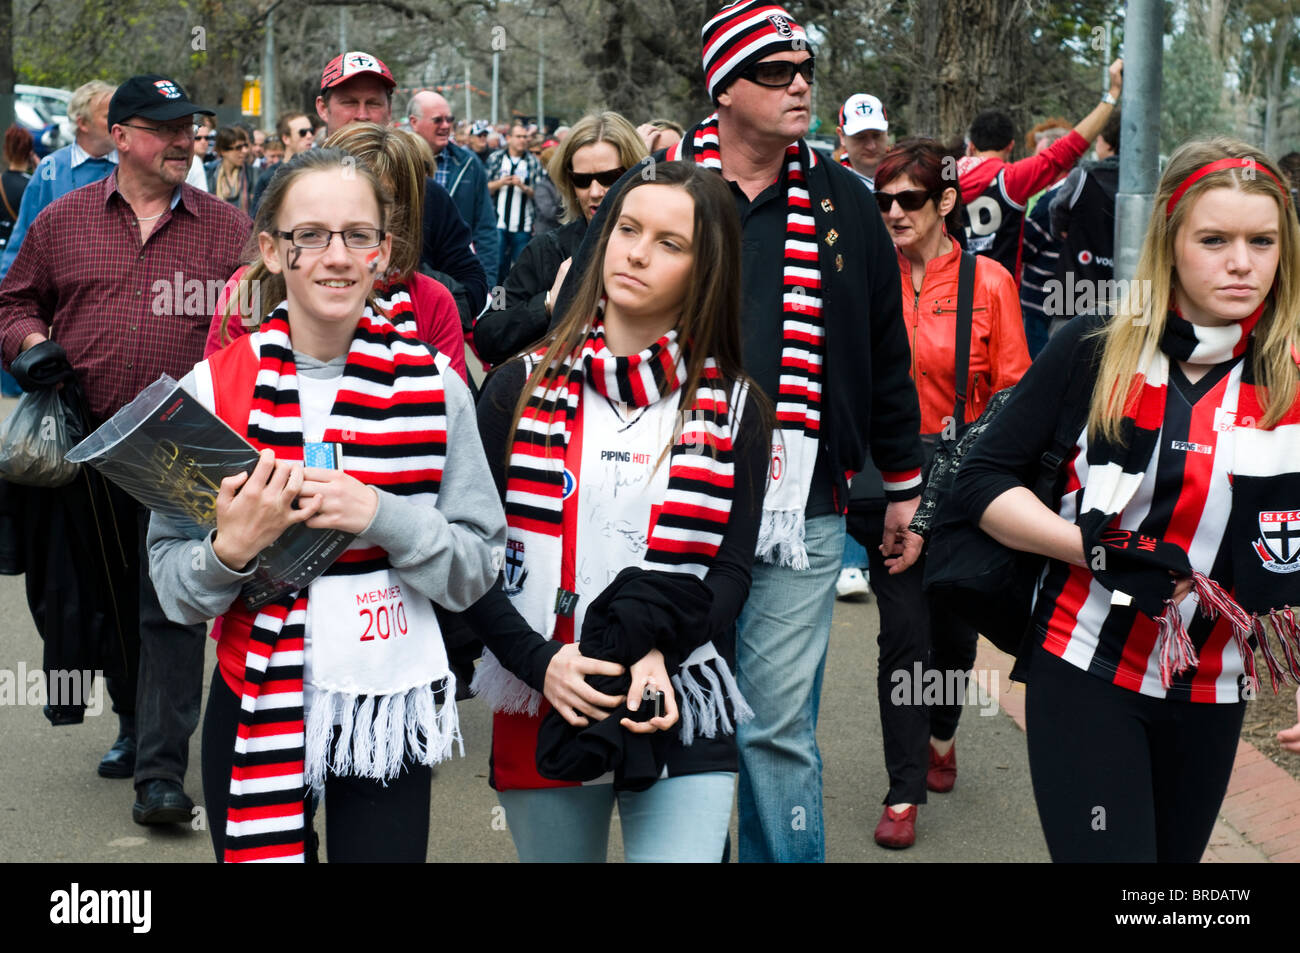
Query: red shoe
897	829
943	770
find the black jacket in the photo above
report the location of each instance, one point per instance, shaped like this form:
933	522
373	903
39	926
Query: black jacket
869	400
501	334
448	253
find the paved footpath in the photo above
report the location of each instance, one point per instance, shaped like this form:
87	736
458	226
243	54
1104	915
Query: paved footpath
53	807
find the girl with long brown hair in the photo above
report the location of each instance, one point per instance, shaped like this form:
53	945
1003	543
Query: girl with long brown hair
1183	482
631	453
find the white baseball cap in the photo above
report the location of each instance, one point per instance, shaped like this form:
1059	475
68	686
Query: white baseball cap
860	112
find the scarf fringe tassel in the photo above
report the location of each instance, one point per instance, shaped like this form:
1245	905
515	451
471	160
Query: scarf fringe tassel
1177	653
503	692
703	710
781	539
377	734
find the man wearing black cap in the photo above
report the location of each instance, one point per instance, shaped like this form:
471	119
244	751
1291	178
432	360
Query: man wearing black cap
109	272
358	87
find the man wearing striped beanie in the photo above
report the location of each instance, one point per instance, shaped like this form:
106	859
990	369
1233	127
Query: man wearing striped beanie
824	338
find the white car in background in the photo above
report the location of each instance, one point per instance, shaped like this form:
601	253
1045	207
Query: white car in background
38	107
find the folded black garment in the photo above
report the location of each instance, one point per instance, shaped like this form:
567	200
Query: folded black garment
42	366
638	611
1126	561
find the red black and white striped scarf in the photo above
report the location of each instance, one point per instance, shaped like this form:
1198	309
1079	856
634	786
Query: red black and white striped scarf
690	523
394	300
1265	473
803	334
389	417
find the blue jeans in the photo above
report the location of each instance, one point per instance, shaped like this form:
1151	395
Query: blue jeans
781	644
512	245
675	820
855	554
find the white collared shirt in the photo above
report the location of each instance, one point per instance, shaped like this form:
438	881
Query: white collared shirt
78	155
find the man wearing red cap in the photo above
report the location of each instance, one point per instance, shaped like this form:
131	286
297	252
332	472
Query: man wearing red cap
358	87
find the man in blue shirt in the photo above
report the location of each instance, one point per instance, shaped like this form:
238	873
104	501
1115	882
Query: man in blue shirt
457	172
88	159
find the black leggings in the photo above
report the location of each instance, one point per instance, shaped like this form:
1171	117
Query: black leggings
916	634
365	821
1122	776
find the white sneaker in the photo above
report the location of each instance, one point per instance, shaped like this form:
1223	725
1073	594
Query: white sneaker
852	583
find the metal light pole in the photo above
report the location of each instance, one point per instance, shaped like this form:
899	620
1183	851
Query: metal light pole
343	30
541	116
469	115
268	73
496	82
1139	154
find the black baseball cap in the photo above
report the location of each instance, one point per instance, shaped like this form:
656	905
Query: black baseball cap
152	97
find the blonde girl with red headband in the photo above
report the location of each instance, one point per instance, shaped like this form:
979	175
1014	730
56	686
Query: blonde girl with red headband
1174	538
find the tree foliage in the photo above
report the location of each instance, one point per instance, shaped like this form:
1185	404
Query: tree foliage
1230	65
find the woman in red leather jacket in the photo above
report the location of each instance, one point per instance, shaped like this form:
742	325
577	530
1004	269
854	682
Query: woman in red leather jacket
923	648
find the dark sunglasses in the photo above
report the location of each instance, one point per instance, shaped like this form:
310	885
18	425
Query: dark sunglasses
909	200
607	178
304	133
778	74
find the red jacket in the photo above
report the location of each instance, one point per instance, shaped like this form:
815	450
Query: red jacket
436	318
998	353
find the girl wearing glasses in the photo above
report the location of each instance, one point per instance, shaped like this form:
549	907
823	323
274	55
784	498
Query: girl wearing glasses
632	456
920	209
230	177
414	302
595	154
341	689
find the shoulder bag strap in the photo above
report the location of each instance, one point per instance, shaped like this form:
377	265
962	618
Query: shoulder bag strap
13	216
965	309
1074	407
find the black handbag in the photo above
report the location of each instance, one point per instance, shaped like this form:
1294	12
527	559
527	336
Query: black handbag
987	584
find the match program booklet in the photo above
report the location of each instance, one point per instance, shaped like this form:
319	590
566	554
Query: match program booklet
171	453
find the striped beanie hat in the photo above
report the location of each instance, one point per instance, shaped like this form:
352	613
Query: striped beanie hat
741	34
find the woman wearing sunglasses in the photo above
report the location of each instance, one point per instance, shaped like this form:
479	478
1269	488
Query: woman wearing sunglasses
595	154
230	177
920	209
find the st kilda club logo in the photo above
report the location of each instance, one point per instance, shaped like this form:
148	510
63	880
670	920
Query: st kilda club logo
515	572
1278	546
781	24
167	88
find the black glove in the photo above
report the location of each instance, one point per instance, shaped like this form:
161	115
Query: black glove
1126	561
42	366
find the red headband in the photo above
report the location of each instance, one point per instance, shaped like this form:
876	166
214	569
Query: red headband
1218	166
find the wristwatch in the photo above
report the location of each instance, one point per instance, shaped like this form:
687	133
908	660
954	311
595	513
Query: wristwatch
1109	100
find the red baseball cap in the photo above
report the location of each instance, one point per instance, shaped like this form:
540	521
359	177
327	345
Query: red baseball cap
354	63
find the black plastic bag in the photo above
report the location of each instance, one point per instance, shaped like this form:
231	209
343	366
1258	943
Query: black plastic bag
35	437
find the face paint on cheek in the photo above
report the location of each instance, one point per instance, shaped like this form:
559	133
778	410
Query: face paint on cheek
294	254
372	261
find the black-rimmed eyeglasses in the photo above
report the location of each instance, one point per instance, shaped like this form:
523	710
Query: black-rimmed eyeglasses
310	236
